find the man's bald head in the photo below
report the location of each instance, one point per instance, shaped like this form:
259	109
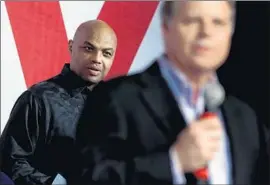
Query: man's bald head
93	50
95	28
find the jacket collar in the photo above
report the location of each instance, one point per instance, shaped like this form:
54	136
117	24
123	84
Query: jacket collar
72	82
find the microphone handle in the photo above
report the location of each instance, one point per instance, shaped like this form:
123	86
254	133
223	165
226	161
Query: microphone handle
202	174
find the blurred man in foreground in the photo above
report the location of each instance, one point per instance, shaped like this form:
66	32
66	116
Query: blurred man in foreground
146	127
38	140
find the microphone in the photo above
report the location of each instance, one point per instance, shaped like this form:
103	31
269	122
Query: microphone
214	96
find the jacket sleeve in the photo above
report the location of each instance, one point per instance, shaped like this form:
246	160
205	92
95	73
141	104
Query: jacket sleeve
108	156
24	130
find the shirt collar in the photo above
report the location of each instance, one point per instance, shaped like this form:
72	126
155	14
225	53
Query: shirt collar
179	78
72	81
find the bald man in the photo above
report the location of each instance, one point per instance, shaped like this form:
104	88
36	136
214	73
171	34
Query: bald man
37	142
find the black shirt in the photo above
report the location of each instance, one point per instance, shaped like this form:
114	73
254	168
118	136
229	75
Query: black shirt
38	140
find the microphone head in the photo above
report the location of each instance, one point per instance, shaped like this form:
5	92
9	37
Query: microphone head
214	95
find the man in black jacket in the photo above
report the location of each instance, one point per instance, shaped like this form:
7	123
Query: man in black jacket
37	142
145	129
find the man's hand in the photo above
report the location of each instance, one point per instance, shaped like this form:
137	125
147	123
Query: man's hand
197	144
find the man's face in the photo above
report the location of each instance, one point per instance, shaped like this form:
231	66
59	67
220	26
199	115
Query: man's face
92	54
199	34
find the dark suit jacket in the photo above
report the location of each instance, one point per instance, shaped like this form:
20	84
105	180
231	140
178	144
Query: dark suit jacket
268	150
126	133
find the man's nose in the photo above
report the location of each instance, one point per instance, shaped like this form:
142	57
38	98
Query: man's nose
206	29
97	57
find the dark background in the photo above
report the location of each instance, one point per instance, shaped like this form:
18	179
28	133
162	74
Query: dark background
246	73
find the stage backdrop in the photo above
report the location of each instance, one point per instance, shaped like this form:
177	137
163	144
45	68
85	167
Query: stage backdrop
34	38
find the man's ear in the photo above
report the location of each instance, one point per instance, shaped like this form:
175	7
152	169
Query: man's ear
70	43
164	27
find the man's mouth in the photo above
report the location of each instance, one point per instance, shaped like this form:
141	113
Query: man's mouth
201	49
93	71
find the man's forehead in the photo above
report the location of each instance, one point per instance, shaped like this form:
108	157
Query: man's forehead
100	38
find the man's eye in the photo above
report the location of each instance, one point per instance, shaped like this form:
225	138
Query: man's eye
87	48
107	54
219	22
190	20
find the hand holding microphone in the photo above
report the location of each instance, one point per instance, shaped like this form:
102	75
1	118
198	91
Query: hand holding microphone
198	143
